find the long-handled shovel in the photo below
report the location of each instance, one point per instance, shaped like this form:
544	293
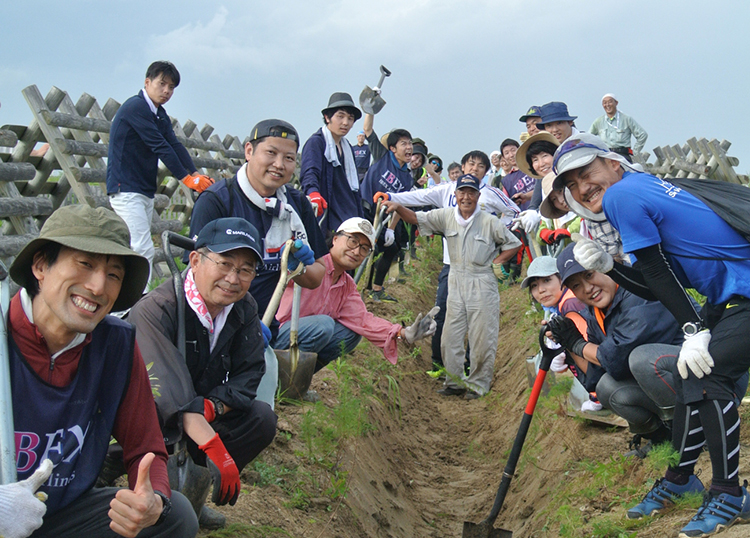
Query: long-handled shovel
380	221
7	441
370	99
296	368
485	528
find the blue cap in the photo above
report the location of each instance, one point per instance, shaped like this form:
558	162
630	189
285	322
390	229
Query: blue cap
555	111
467	180
223	235
567	265
534	112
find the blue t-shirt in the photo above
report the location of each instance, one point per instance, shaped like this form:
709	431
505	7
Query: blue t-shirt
361	156
518	182
647	211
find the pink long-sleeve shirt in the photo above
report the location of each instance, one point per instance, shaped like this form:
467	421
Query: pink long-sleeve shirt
341	301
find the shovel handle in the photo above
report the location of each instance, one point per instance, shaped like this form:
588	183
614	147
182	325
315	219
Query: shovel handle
7	436
523	429
383	73
284	277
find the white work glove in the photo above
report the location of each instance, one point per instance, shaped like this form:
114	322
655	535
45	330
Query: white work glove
529	220
23	510
592	256
390	237
422	326
558	363
694	355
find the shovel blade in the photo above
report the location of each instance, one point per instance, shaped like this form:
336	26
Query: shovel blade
293	383
370	101
484	530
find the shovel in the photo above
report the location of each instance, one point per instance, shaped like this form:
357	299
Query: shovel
296	368
7	437
485	529
380	221
370	99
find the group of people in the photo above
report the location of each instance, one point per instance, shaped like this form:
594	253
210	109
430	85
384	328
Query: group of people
617	302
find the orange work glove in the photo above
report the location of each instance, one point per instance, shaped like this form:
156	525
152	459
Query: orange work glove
319	202
197	182
547	235
223	470
381	196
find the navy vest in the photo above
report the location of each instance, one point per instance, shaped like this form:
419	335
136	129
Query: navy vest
71	425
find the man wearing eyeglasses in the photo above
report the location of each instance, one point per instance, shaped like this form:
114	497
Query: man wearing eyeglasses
210	395
333	317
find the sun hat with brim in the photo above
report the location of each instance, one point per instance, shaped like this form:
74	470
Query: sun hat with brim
521	162
567	265
358	225
555	111
541	266
547	209
94	230
341	100
579	150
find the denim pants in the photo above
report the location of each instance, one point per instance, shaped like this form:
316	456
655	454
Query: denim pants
322	335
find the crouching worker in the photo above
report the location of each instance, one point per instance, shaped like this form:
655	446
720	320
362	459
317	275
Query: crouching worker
209	395
333	317
77	378
474	238
618	323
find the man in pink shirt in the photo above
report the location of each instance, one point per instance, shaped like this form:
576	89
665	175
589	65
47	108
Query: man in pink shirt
334	313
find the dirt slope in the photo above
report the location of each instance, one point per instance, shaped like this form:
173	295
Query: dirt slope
438	461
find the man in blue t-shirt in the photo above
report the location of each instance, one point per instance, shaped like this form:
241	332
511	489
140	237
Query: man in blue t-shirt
678	242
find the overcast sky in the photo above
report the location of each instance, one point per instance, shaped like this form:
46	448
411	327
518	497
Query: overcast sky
463	71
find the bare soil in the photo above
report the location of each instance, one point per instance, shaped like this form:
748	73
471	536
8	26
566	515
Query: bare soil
438	461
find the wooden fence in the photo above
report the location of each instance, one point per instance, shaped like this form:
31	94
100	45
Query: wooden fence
60	158
36	179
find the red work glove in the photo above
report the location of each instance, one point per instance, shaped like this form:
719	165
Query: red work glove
381	196
547	235
224	472
197	182
561	234
319	201
209	411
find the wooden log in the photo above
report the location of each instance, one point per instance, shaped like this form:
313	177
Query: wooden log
683	165
161	202
16	171
11	245
75	147
726	169
25	207
110	108
214	164
158	226
206	132
89	175
58	119
193	143
8	138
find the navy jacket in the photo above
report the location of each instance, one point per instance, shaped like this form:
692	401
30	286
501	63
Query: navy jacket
137	140
630	322
318	175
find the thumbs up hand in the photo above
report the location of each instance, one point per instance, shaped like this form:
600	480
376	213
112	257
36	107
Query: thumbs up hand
133	511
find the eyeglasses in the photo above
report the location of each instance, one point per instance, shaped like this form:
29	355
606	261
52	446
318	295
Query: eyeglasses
245	273
351	242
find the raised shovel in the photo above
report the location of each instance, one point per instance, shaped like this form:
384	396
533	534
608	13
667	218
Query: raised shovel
485	529
296	368
370	99
7	440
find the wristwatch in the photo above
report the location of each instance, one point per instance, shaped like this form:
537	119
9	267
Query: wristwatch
166	507
218	406
692	328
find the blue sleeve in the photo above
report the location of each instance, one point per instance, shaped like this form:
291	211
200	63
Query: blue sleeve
163	144
633	215
311	165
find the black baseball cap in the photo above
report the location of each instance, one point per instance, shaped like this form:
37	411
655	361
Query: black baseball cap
467	180
275	128
231	233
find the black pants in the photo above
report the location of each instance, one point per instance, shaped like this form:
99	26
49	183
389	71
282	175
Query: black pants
389	254
87	516
244	435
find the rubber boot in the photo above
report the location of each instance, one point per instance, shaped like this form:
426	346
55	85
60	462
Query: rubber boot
196	483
